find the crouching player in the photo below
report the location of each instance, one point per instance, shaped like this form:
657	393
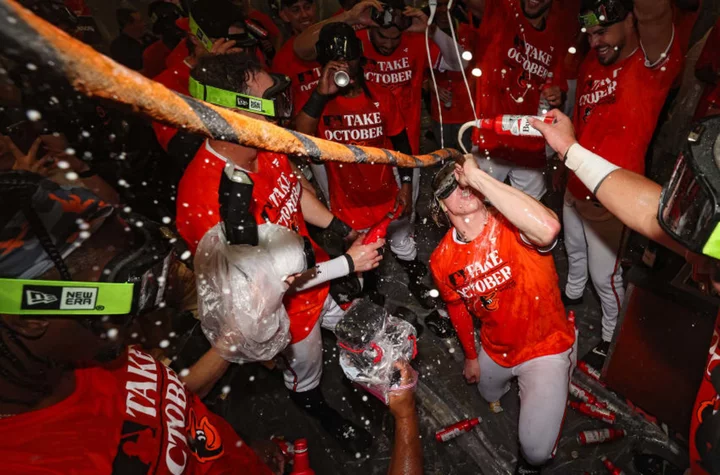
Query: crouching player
495	264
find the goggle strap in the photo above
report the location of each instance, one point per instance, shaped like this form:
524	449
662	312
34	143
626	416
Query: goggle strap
199	33
712	246
230	99
51	297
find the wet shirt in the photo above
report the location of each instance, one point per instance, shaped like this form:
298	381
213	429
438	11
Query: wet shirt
361	194
515	60
460	109
133	418
617	108
510	286
276	199
402	73
305	75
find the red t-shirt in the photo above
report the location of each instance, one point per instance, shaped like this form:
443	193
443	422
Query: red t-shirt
361	194
154	58
617	108
276	199
461	109
305	75
515	60
135	417
510	286
704	427
402	73
684	21
177	55
176	78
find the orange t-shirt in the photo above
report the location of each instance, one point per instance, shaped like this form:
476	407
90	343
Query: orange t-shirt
510	286
361	194
461	109
618	106
276	199
402	72
305	75
515	60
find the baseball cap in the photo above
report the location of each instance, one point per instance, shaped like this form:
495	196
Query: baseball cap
338	40
215	17
604	12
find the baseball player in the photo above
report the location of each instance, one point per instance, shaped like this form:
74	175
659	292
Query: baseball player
622	87
495	264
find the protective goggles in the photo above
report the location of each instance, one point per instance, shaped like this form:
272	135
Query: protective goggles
390	17
276	102
133	283
344	45
245	40
444	182
605	13
689	210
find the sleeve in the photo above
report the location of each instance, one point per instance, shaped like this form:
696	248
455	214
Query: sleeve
223	451
463	323
393	116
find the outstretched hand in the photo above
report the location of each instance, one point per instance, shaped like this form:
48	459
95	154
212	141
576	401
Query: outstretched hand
560	134
402	402
365	256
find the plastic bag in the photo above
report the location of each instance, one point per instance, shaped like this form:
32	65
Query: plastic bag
241	288
371	342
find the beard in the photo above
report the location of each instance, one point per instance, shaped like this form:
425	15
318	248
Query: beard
536	14
612	57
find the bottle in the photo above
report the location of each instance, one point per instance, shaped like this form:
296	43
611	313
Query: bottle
612	468
459	428
590	437
301	461
287	448
590	371
517	125
544	105
593	411
379	230
586	396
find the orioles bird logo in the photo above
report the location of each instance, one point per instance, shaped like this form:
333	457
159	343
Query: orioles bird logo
204	439
490	302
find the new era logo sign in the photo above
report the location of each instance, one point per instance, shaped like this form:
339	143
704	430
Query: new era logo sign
42	297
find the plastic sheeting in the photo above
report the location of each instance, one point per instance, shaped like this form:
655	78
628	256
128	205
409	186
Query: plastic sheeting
241	288
372	342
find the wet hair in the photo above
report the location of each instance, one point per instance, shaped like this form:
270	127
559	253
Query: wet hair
124	17
231	72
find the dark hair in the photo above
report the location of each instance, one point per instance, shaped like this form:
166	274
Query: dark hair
215	17
290	3
227	71
124	17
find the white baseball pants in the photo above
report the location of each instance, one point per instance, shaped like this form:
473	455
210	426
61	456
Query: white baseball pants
544	384
593	240
530	181
303	360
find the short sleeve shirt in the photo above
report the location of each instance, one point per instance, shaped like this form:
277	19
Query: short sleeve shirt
305	75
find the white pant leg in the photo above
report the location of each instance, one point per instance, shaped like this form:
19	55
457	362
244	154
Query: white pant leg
321	178
494	379
576	247
530	181
604	240
303	360
402	240
543	398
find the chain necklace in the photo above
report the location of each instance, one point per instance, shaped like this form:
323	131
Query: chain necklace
528	86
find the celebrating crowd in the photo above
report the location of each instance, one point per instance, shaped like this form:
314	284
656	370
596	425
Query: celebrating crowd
106	214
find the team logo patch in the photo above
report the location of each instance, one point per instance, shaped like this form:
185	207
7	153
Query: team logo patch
204	439
42	297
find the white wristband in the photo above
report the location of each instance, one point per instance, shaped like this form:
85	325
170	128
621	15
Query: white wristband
321	273
589	167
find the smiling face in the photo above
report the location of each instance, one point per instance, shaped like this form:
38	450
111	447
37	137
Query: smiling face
535	8
610	41
385	40
300	16
462	202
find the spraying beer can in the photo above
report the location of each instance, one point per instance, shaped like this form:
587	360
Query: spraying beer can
459	428
585	396
611	467
590	437
590	371
341	78
593	411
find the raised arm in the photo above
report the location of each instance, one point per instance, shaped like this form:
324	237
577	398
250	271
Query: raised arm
632	198
407	451
536	222
359	15
655	26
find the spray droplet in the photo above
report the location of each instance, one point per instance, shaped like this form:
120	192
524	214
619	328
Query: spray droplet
467	55
184	372
72	176
112	333
572	50
226	389
33	115
164	344
477	72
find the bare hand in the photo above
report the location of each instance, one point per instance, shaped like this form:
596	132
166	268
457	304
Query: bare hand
553	94
419	19
225	46
29	161
464	171
327	86
560	135
472	371
445	95
402	403
404	199
360	13
271	454
365	256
